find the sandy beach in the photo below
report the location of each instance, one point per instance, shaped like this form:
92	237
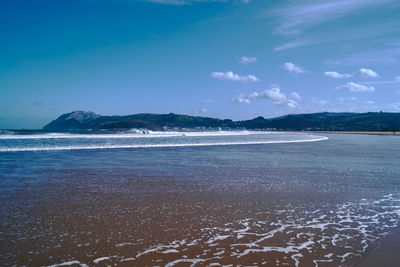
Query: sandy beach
325	203
396	133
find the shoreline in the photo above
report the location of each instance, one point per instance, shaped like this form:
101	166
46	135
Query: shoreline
396	133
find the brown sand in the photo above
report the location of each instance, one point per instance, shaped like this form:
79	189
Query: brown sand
386	255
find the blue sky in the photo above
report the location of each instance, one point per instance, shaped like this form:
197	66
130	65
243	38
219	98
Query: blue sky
227	59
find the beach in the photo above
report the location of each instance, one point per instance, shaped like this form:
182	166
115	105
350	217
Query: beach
324	203
396	133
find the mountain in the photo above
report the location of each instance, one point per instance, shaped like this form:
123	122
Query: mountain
325	121
83	120
76	120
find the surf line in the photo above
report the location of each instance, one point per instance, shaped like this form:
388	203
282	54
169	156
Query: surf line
57	148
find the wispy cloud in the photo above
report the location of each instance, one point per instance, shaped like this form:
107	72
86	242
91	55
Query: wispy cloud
394	107
341	104
354	87
338	37
293	68
230	76
207	101
274	94
306	14
188	2
247	60
169	2
382	56
200	111
396	80
320	102
295	44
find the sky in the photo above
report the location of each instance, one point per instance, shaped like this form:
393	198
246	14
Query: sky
235	59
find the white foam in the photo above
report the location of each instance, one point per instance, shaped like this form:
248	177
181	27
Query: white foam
344	256
95	261
193	261
305	233
127	259
68	263
397	212
91	147
124	244
149	134
170	251
216	238
317	261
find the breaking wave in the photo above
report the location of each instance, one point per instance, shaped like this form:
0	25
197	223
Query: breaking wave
165	145
139	134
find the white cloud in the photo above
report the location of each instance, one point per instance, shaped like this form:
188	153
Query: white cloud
367	73
291	67
354	87
294	96
360	73
291	103
337	75
369	102
273	94
247	60
230	76
207	101
241	99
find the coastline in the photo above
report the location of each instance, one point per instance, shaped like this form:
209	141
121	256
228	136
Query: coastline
204	206
396	133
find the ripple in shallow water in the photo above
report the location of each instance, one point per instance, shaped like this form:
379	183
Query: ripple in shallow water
330	234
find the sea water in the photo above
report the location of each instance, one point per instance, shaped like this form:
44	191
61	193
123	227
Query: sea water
242	198
68	141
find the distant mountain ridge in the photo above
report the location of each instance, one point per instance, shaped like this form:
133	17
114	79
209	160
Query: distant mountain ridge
325	121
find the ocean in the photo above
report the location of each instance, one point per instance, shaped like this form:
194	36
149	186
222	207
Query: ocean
197	198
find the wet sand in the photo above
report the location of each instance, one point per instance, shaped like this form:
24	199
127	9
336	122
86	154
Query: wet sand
395	133
387	254
114	224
